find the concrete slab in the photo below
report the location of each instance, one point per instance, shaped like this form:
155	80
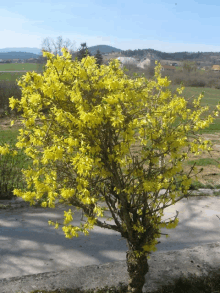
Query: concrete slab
164	268
28	245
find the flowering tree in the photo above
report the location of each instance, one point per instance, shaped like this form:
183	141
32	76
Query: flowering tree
107	138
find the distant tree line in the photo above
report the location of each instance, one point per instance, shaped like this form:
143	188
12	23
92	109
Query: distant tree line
163	55
17	55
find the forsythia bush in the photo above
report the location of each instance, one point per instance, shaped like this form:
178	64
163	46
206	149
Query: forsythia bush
107	138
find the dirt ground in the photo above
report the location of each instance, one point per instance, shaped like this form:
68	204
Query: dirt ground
210	173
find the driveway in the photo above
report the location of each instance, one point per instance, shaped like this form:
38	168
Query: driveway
28	245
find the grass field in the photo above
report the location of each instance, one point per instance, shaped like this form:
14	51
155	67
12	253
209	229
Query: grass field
13	76
21	66
211	99
7	76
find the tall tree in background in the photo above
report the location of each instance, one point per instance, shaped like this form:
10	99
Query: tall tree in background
49	45
83	52
99	58
190	66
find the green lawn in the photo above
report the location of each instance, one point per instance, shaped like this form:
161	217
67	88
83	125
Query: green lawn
203	162
21	66
10	76
14	76
211	98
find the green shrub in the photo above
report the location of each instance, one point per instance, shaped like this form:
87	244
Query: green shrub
11	176
195	185
203	162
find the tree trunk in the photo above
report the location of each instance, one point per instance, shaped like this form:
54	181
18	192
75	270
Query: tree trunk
137	269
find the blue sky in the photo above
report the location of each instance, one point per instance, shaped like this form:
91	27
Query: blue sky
164	25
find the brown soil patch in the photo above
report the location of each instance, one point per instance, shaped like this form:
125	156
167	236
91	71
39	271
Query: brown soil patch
210	173
5	123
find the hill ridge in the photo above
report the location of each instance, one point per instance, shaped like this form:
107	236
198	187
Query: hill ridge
213	57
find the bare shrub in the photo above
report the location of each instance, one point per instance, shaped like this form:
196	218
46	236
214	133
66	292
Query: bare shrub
195	83
131	69
149	71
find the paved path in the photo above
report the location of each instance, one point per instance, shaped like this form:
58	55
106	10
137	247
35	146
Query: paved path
28	245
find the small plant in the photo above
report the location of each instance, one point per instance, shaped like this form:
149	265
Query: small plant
195	185
216	192
203	162
2	206
209	186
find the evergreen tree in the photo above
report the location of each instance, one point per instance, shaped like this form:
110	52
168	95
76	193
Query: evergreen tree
99	58
83	52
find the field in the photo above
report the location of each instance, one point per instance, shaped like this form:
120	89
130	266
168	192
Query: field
13	76
211	98
21	66
10	76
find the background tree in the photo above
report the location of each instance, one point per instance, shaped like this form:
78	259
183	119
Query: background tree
41	59
108	139
149	70
83	52
49	45
99	58
190	66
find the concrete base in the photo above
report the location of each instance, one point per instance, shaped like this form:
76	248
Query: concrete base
164	269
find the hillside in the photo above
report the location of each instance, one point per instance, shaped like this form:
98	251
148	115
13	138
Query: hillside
204	58
211	57
17	55
26	53
21	49
103	49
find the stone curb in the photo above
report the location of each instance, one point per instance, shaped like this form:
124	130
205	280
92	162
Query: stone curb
164	269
